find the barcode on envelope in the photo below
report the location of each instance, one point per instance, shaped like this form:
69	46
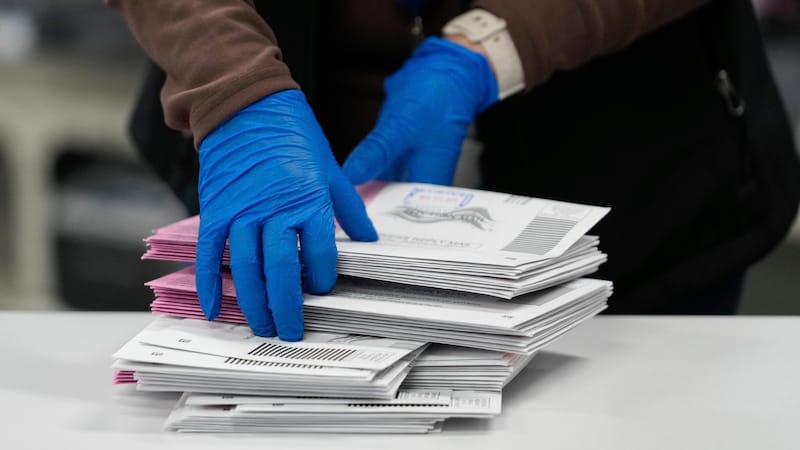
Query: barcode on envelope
301	353
252	362
540	235
395	405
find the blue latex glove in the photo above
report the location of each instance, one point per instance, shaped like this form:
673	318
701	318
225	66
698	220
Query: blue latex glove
429	105
268	175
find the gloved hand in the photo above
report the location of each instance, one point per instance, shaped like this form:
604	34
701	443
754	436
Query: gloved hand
429	105
268	175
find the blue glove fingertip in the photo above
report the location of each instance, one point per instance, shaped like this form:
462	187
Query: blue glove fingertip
350	210
209	290
282	273
264	330
358	229
319	282
292	335
319	253
365	234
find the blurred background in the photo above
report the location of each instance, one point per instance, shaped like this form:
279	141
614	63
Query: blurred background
76	200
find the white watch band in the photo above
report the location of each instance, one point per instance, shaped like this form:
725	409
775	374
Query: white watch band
481	26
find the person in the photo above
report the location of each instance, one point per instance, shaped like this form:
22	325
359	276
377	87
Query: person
664	110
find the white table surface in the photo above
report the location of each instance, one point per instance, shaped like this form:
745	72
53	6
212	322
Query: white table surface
613	383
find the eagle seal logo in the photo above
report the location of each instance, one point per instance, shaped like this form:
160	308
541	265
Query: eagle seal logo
476	217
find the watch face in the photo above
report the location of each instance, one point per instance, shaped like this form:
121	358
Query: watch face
476	25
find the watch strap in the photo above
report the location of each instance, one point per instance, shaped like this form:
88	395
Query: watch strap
483	27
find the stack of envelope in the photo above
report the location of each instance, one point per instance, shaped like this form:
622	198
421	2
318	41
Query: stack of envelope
450	238
443	367
174	354
326	383
523	324
411	411
430	322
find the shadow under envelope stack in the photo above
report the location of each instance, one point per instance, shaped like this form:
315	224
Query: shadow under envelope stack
430	322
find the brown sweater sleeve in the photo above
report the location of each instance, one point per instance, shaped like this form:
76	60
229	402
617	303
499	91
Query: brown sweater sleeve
219	56
553	35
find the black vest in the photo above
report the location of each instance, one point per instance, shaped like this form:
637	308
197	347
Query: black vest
683	134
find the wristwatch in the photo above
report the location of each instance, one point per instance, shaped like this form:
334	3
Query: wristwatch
483	27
